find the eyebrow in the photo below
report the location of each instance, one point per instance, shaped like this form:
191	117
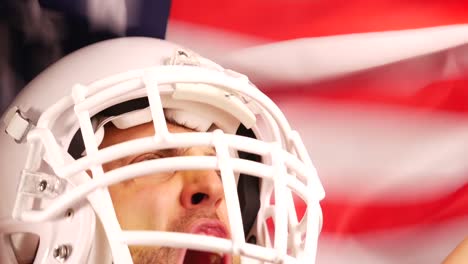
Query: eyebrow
209	151
173	152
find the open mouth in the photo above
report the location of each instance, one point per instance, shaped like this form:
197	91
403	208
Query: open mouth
208	227
200	257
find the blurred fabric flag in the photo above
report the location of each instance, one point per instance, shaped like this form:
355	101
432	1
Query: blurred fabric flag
379	91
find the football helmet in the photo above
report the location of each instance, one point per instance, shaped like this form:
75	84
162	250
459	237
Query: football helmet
55	203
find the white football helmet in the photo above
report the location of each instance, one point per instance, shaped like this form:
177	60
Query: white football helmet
52	211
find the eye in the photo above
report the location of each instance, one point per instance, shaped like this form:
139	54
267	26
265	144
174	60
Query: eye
146	156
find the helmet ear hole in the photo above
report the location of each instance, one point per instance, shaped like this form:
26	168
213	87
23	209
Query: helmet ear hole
24	246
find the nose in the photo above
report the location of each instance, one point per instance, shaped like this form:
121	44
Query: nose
201	189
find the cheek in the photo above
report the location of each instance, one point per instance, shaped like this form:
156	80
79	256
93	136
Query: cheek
144	206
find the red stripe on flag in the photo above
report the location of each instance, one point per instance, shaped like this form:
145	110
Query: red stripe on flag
284	19
450	95
343	218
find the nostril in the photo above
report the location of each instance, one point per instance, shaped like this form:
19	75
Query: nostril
198	198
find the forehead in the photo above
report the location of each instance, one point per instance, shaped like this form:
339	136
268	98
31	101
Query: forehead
114	135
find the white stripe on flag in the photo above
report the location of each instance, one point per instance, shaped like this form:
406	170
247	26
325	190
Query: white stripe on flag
387	152
312	59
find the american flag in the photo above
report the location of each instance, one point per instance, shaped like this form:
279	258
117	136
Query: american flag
377	89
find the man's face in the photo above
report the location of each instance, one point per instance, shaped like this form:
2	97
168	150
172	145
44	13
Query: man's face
176	201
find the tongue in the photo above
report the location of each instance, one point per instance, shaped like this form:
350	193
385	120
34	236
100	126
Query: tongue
199	257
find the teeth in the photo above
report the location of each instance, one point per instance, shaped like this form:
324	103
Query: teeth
215	259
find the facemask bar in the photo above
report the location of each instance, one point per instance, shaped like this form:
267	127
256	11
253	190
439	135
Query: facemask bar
316	194
231	196
106	210
96	157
